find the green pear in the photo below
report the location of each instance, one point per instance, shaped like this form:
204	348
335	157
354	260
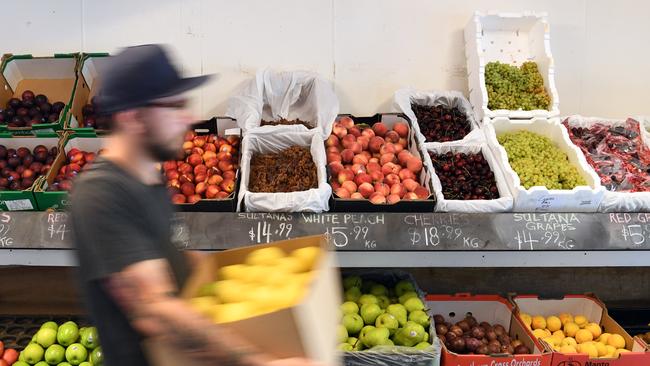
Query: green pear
399	312
353	340
387	321
411	334
406	296
349	307
421	318
413	304
376	337
352	294
358	346
352	281
345	347
383	301
378	290
352	323
365	331
370	312
341	334
368	299
403	287
422	346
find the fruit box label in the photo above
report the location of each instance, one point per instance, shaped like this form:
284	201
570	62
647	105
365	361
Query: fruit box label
495	362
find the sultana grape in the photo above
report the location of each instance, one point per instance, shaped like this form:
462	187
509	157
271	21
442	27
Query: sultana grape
510	87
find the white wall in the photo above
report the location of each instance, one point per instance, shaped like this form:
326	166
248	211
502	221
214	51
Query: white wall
369	48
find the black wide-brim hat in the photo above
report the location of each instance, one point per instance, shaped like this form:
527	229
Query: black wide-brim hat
139	75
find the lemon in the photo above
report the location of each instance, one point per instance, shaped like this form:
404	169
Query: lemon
580	320
566	318
265	256
569	341
594	328
570	329
583	336
617	341
553	323
568	349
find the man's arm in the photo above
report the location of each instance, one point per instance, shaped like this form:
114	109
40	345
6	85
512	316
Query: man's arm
147	293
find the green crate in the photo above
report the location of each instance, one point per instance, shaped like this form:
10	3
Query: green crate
54	76
24	200
58	200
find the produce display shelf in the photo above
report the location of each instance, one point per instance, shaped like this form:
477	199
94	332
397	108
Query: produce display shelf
378	239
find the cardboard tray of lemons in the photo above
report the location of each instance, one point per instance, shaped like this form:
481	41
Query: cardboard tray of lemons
283	297
383	321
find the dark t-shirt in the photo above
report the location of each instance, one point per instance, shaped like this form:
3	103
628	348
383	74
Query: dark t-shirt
119	221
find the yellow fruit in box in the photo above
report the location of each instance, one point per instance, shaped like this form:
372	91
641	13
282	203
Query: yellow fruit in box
594	328
552	341
553	323
290	265
228	291
566	318
539	322
616	340
256	274
580	320
276	278
568	349
304	278
527	319
265	256
583	336
559	335
225	313
603	338
308	256
569	341
602	350
588	349
570	329
203	304
610	349
540	333
232	272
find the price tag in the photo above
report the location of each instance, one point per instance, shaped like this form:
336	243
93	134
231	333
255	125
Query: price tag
19	205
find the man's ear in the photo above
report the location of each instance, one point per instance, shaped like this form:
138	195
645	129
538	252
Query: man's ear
129	122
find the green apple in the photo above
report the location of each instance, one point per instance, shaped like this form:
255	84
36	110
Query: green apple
51	325
97	357
359	346
378	290
411	334
352	294
352	281
379	347
67	334
345	347
349	307
21	356
383	301
20	363
406	296
421	318
368	299
387	321
64	364
89	338
42	363
54	354
85	363
413	304
403	287
376	337
422	346
341	333
76	354
399	312
353	323
353	340
370	312
46	337
33	353
365	331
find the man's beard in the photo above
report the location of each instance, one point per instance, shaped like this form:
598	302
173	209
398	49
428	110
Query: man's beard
160	152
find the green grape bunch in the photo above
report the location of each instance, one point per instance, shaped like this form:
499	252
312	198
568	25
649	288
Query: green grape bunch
538	162
514	88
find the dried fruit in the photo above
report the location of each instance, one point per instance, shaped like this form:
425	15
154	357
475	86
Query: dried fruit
291	170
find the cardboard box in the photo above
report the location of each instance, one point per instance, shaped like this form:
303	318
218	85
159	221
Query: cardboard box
92	67
494	310
58	200
53	76
221	126
427	205
24	200
307	329
595	311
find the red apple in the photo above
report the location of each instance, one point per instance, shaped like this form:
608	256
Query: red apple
211	191
200	169
188	189
194	159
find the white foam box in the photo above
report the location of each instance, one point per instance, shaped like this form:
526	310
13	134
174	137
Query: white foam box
595	312
502	204
306	330
494	310
617	201
510	38
541	199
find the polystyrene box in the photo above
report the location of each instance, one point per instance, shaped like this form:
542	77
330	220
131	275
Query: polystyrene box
541	199
511	38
